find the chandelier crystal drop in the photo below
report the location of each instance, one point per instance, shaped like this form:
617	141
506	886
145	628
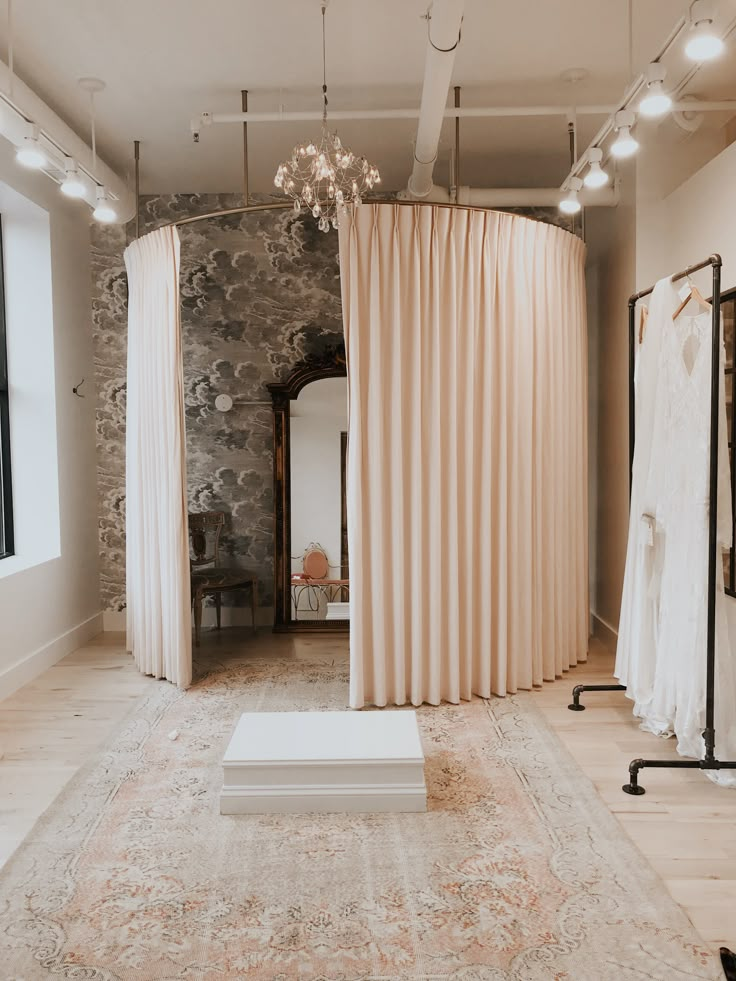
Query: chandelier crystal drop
325	177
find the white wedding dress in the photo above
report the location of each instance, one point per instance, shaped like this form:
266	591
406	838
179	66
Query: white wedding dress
677	496
637	643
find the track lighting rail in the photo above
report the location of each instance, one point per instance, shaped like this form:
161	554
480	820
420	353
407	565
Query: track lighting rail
656	101
56	150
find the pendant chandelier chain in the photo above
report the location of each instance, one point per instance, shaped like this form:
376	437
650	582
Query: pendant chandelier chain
324	66
324	176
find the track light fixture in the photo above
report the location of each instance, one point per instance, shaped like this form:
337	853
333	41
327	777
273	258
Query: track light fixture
596	176
703	44
570	205
656	101
625	145
30	153
104	211
72	184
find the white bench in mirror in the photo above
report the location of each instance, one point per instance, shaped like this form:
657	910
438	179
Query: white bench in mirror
338	611
297	762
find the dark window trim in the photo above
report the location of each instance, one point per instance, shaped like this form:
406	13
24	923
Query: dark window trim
730	297
7	542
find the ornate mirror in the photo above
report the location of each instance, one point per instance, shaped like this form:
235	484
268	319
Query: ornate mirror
311	575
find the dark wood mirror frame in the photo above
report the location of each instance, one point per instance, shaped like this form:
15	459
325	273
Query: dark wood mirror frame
330	363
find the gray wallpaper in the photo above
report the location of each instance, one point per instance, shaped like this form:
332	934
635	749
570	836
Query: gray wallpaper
259	292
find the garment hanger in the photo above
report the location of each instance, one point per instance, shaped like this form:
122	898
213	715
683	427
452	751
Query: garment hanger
694	294
643	322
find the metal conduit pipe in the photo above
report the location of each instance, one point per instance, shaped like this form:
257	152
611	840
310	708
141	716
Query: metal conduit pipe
443	37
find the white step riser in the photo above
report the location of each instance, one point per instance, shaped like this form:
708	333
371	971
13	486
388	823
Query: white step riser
323	775
364	800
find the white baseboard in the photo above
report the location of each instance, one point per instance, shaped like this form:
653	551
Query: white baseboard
32	665
113	621
607	634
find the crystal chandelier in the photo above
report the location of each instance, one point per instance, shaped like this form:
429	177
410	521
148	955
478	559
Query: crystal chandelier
325	176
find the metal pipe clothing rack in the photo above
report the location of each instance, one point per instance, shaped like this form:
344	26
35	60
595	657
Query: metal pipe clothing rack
709	761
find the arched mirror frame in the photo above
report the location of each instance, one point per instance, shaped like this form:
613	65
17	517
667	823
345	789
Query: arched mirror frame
330	363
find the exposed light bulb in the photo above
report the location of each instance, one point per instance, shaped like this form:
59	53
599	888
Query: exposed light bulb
570	205
656	102
703	44
625	145
104	211
30	154
596	176
72	185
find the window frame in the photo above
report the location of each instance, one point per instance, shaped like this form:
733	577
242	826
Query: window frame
7	541
729	296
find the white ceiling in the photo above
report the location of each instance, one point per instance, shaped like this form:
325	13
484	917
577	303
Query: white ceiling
165	61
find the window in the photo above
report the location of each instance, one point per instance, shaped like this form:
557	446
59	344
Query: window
728	310
6	500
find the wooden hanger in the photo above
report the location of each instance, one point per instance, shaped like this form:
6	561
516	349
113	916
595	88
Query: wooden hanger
643	322
694	294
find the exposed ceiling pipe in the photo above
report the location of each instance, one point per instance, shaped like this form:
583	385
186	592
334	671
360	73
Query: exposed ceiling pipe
443	37
206	119
409	112
509	197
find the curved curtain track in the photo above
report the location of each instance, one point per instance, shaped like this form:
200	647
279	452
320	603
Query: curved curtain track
467	463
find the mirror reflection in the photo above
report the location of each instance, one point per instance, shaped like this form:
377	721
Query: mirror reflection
319	557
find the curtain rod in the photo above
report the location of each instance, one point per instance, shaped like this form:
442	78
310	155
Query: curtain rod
279	205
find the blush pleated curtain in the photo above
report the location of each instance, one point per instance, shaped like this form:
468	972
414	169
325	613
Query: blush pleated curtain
467	460
157	544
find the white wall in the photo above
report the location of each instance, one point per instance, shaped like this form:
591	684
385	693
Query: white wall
695	220
690	223
318	417
677	208
611	238
49	593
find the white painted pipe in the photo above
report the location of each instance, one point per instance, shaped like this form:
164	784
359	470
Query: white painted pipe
59	140
445	20
473	112
509	197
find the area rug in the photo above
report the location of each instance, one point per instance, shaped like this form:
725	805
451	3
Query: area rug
517	871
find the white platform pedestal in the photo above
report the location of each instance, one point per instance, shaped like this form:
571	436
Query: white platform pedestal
338	611
296	762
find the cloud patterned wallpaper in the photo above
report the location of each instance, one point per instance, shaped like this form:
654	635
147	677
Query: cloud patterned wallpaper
258	292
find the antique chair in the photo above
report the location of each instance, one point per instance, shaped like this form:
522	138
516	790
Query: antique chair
207	575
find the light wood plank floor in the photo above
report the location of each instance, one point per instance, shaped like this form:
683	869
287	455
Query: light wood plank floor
684	825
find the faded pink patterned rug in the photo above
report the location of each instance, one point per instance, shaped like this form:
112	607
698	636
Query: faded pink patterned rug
517	871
